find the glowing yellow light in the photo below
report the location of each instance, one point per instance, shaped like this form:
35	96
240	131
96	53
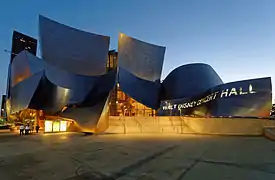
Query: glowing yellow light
56	127
48	126
64	108
63	126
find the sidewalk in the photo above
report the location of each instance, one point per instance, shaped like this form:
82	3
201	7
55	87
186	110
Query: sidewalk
7	132
4	130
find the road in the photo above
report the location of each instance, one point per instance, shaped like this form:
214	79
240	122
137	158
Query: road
71	156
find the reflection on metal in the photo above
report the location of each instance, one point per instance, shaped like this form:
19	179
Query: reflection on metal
23	92
248	98
141	59
23	66
73	50
86	117
103	123
71	82
50	97
189	80
143	91
140	66
83	96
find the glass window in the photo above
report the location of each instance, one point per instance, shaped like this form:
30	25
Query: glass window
63	126
48	126
111	61
56	127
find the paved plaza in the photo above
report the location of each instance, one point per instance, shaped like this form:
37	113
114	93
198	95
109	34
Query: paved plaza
72	156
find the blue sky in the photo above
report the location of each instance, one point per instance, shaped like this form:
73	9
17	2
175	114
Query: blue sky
236	37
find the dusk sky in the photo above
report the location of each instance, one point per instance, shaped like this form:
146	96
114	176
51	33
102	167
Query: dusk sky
236	37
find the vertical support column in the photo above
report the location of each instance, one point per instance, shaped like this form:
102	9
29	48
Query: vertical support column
37	117
181	125
124	122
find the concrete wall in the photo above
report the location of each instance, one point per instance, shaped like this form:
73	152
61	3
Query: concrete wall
175	124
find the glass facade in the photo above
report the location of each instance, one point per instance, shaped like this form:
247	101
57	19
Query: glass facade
22	42
120	103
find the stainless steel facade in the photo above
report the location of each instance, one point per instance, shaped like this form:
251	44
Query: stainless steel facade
189	80
25	65
248	98
141	59
140	66
72	80
73	50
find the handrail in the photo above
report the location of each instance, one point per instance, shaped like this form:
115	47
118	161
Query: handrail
138	124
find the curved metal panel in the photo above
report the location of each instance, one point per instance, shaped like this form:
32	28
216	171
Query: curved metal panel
101	89
23	66
50	97
84	89
189	80
249	98
22	93
86	117
103	122
145	92
73	50
79	85
142	59
91	114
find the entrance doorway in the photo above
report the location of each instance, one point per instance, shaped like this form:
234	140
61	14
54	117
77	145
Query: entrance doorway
56	126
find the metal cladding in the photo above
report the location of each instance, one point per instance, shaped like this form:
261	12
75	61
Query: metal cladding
189	80
73	50
71	74
140	66
88	117
22	93
142	59
146	92
71	81
50	97
25	65
248	98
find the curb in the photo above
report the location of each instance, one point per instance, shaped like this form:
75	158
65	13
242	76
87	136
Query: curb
269	133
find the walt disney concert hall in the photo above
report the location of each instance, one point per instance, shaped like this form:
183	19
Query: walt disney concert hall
79	83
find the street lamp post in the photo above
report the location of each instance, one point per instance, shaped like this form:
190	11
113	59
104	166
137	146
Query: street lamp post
8	80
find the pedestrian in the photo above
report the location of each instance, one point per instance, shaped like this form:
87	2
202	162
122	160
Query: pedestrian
32	128
21	128
27	129
37	128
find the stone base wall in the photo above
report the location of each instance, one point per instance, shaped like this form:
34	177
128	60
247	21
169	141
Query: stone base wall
183	125
270	133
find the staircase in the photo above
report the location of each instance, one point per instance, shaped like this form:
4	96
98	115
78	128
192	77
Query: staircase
174	125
